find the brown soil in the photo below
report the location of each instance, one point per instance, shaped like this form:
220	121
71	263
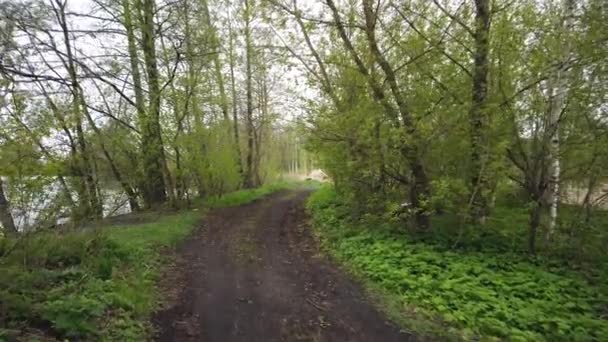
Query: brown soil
254	273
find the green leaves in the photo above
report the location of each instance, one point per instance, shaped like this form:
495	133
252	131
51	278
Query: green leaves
490	294
74	314
88	285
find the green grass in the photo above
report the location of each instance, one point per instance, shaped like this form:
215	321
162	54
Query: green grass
94	284
461	294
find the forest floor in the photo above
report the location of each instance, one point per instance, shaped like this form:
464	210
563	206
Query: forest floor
254	273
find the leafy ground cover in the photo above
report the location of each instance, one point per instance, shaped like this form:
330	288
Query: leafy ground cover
461	293
94	284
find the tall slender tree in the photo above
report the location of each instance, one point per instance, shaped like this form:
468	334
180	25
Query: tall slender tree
558	93
478	114
249	175
6	217
235	108
152	143
91	204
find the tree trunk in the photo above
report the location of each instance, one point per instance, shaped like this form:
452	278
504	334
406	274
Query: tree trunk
174	184
249	176
6	218
323	76
219	78
235	118
263	115
587	206
420	190
419	193
535	215
134	63
92	206
152	144
478	120
558	96
132	48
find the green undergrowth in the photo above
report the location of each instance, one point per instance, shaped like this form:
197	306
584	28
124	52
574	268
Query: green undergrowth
86	285
461	294
93	284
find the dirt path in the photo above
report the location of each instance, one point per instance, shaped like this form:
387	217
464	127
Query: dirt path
253	273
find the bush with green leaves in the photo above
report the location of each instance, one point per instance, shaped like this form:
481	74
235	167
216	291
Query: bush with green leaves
488	294
86	285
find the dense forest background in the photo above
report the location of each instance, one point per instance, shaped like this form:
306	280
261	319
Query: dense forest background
460	109
448	106
115	106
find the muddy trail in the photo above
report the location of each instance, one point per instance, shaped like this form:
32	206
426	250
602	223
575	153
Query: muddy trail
254	273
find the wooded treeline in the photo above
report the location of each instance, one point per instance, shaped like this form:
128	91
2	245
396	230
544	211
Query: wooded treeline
417	109
145	102
461	108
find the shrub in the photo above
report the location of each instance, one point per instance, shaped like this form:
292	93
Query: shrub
89	284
